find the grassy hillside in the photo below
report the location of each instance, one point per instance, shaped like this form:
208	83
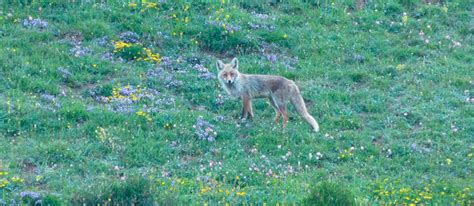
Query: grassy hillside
118	103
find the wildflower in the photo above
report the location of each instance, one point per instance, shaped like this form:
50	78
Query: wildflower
240	193
37	23
404	190
132	5
144	114
30	194
94	65
17	180
4	183
121	45
150	5
64	72
204	130
285	36
428	197
449	161
400	67
186	7
150	56
404	18
79	51
445	9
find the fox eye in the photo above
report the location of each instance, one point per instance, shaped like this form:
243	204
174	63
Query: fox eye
232	74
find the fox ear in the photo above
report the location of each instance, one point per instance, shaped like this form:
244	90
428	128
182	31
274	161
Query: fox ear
219	65
234	63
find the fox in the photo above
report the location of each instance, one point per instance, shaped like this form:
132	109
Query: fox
277	89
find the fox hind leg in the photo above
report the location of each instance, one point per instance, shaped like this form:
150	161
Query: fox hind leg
279	103
284	114
277	111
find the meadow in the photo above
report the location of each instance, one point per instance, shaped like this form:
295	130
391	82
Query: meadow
118	103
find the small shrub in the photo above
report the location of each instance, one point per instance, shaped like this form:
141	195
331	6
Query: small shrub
135	190
50	200
328	193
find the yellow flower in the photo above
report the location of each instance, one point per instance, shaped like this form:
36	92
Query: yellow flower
205	189
400	67
445	9
121	45
222	1
134	97
404	18
3	183
237	177
17	180
94	65
227	16
449	161
132	5
150	5
404	190
285	36
240	193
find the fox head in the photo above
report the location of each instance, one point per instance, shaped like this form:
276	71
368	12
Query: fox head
228	73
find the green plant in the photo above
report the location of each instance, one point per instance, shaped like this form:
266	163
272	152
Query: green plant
330	194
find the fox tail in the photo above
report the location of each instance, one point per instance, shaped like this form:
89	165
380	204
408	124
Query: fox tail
298	103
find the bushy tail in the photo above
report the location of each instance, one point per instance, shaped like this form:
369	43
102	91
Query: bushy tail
298	103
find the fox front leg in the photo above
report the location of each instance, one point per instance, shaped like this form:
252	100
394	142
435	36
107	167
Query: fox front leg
247	107
250	110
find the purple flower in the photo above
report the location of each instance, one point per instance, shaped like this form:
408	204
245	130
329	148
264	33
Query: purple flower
30	194
102	41
79	51
48	97
64	72
200	68
126	91
38	23
204	130
129	37
272	58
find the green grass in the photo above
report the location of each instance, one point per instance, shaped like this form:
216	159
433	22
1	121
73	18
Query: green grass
392	92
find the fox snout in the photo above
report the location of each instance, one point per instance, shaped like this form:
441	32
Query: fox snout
229	81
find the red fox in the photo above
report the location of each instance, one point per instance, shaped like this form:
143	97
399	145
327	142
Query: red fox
277	89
